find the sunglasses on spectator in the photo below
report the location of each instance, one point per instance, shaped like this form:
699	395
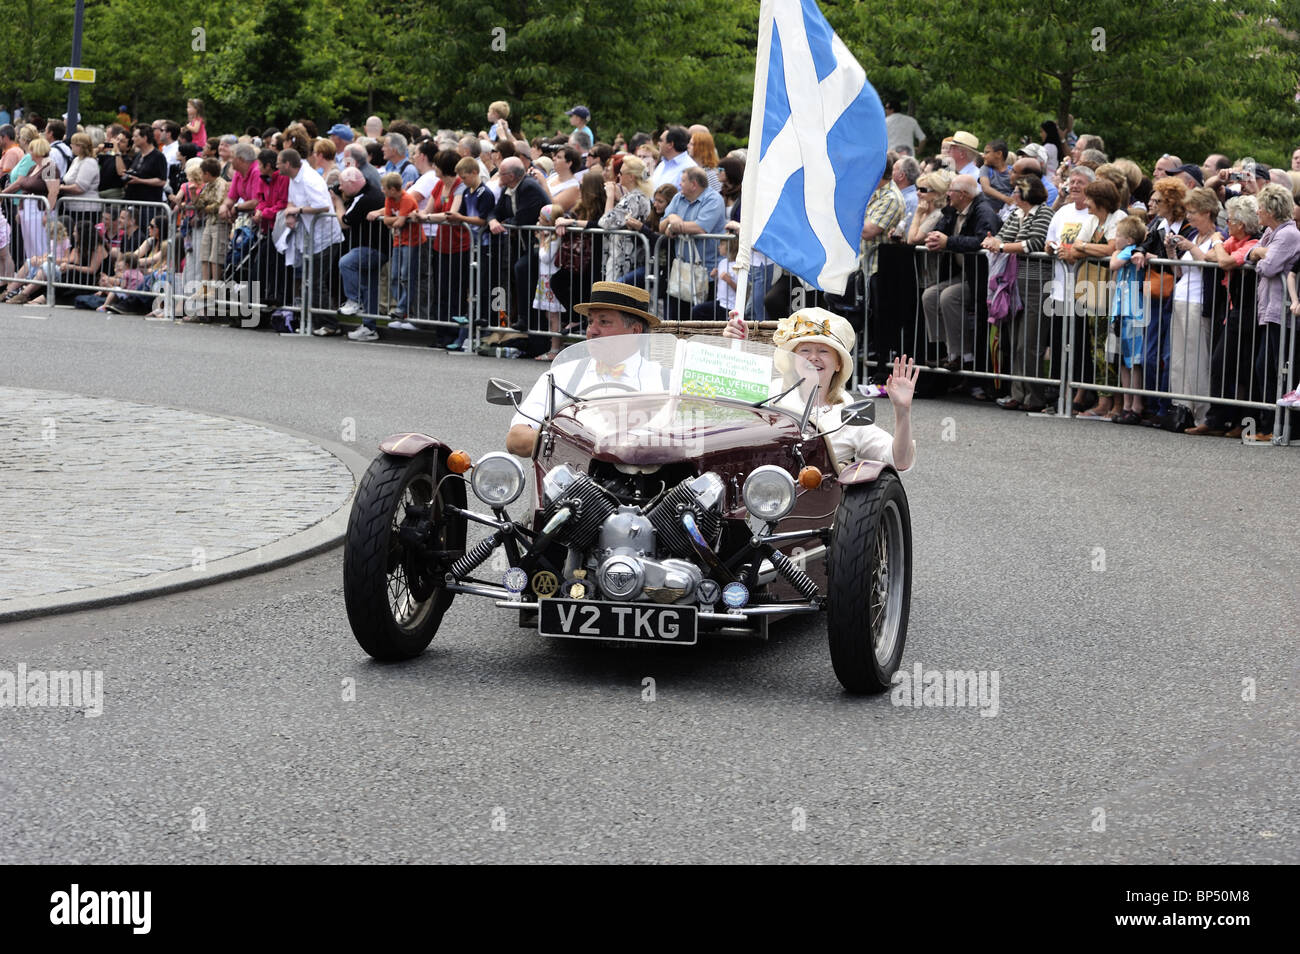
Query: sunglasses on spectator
924	191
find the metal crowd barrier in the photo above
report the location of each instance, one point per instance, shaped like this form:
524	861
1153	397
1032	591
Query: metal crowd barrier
531	277
686	264
29	251
934	305
122	227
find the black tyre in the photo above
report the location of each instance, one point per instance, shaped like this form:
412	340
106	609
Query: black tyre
394	595
869	582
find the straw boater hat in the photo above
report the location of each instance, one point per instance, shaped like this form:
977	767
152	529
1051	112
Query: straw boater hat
619	297
962	138
823	327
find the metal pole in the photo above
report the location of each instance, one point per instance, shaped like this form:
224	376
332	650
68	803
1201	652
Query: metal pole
74	89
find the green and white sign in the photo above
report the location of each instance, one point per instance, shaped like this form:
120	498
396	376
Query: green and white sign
712	372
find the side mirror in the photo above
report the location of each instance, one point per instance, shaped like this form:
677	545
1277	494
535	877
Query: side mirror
859	413
503	393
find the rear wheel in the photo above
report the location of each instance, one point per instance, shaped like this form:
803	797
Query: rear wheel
870	584
392	588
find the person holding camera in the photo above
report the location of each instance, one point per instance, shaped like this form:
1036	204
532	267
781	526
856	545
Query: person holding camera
115	142
147	176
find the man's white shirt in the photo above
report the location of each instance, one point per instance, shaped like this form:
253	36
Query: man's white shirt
576	376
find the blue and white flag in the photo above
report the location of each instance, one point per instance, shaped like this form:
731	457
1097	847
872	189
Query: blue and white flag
817	138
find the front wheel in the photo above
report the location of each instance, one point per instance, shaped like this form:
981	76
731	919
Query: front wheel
869	582
391	586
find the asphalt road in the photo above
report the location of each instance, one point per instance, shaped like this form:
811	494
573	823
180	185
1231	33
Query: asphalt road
1121	733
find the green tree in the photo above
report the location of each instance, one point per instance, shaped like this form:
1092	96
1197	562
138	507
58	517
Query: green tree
36	38
637	64
258	71
1182	76
140	50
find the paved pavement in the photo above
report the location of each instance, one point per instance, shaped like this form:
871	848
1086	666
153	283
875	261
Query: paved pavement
1135	591
109	497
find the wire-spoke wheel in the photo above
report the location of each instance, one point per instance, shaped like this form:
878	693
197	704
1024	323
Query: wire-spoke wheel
869	584
392	589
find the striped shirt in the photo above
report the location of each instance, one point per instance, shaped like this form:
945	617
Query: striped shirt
885	210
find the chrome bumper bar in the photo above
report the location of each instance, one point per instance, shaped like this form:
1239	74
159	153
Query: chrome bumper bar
735	616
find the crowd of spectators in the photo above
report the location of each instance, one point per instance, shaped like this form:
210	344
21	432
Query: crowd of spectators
386	216
1001	238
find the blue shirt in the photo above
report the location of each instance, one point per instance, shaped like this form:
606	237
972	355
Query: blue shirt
477	205
5	118
909	206
406	168
710	212
669	171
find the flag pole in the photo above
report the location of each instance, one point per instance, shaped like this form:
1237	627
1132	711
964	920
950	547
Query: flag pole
749	185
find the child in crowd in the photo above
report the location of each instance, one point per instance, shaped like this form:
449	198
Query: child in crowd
1129	312
6	258
725	277
544	300
127	278
1292	397
477	201
216	230
28	270
399	214
498	126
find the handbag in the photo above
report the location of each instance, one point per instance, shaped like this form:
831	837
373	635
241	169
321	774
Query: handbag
32	183
574	253
1092	288
688	281
1160	282
1092	284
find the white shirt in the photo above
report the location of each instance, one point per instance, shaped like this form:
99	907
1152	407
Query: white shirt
307	190
1068	226
1188	287
854	442
59	152
726	294
637	372
420	191
670	170
903	130
172	152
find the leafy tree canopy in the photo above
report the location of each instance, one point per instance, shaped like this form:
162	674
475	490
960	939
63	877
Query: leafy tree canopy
1181	76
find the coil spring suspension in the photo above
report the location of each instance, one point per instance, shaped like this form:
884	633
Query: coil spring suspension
796	577
482	550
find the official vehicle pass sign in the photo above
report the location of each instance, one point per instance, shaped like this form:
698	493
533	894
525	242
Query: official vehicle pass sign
713	372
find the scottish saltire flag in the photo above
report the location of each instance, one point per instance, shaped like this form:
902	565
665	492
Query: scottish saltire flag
818	131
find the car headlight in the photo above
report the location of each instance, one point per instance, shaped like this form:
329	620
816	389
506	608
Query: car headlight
769	492
497	479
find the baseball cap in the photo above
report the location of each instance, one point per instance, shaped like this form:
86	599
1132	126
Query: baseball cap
580	111
1034	151
342	131
1193	171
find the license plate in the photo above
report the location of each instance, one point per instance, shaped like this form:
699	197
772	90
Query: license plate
584	619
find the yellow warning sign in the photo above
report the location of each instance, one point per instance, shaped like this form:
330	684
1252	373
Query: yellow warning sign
74	74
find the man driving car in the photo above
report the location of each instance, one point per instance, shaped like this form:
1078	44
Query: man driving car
614	309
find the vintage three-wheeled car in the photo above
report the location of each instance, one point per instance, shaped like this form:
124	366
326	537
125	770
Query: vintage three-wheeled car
698	501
